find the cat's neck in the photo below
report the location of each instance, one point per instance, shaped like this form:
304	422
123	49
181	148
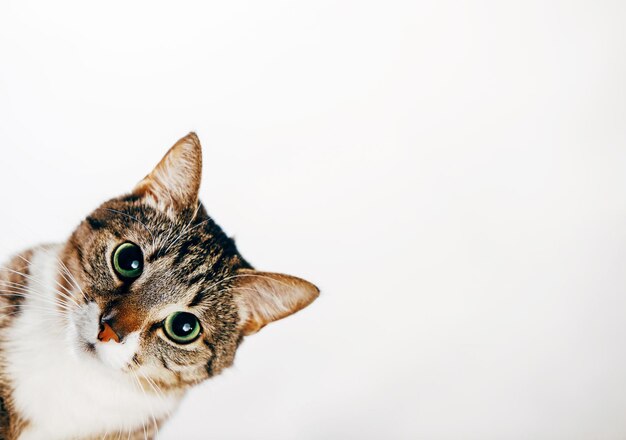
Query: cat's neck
67	392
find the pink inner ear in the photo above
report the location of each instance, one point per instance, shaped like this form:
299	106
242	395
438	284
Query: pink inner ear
266	297
175	182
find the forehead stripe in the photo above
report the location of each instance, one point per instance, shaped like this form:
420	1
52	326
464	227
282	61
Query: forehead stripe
197	298
96	223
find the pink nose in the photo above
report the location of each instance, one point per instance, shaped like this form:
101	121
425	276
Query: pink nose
107	333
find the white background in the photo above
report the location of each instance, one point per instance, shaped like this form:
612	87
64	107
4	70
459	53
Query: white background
451	174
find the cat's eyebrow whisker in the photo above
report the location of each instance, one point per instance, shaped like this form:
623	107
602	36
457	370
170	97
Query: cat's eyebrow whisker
173	230
186	230
193	217
164	240
137	220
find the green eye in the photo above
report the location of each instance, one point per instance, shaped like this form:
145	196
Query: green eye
182	327
128	261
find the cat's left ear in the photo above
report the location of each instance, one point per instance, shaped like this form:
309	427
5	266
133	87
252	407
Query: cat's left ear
264	297
174	183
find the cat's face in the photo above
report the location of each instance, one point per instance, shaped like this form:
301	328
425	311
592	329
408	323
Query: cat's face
158	290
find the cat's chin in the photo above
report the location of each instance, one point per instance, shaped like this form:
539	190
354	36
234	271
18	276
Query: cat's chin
118	356
83	339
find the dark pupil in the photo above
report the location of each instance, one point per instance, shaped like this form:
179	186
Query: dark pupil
183	324
130	259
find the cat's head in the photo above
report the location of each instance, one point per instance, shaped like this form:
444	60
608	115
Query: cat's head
158	290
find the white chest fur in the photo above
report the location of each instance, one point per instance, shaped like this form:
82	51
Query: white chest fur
66	395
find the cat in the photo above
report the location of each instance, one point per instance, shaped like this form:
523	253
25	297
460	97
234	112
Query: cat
101	336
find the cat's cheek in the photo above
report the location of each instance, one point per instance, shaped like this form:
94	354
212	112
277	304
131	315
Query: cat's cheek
83	326
118	356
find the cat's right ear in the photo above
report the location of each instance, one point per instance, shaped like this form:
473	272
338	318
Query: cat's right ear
175	182
264	297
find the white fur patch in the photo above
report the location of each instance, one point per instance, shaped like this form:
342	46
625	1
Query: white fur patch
118	355
64	391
